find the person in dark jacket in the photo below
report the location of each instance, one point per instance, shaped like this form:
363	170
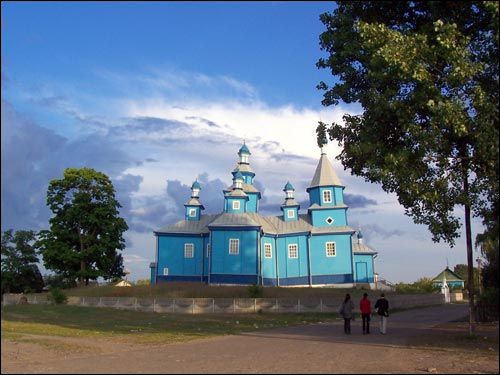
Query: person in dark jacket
366	311
346	311
382	306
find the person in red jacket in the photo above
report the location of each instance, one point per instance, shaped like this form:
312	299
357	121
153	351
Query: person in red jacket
366	310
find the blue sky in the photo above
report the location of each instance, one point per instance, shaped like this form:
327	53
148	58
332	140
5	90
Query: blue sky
156	94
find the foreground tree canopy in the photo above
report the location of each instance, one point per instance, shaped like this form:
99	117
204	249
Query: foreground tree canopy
426	75
85	234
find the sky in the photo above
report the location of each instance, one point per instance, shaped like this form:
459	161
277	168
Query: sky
157	94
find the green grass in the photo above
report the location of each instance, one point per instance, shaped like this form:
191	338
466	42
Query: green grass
140	327
200	290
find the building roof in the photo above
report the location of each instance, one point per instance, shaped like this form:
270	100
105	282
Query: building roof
236	193
196	185
190	226
316	206
247	188
290	202
359	247
288	186
193	202
244	150
234	220
324	175
243	167
449	274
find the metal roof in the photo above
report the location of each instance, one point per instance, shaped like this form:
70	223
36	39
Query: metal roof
449	274
316	206
324	175
247	188
234	220
193	202
358	247
290	202
190	226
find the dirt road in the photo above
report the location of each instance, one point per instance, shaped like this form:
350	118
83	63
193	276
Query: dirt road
416	341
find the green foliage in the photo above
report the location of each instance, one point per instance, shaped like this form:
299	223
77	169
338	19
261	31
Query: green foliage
488	243
462	271
143	282
422	285
86	232
255	291
60	281
488	305
57	296
19	258
426	75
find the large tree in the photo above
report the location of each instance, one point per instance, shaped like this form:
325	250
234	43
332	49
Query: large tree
86	232
20	271
426	76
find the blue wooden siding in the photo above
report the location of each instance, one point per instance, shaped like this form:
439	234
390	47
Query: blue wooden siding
252	203
289	267
314	196
268	264
229	205
244	263
171	255
196	216
340	264
363	268
285	213
339	194
339	216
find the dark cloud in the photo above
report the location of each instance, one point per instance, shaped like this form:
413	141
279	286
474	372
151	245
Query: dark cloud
358	201
375	230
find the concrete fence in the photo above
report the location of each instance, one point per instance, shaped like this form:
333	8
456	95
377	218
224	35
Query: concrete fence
227	305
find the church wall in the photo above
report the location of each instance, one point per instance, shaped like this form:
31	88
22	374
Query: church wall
293	268
171	255
338	192
244	263
268	264
252	203
340	264
363	268
338	215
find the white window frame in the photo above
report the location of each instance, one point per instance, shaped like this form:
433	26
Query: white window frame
192	212
208	250
328	251
189	250
329	196
293	247
165	271
234	246
268	250
291	214
244	158
236	205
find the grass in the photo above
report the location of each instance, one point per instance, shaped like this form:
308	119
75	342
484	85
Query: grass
200	290
137	326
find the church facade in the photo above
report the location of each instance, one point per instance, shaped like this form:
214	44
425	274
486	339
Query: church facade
241	247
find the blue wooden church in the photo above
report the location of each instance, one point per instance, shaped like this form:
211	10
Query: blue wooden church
240	246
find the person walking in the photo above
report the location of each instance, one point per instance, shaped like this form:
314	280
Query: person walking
365	307
382	306
346	311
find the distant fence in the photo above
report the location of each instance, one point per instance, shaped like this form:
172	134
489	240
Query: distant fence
226	305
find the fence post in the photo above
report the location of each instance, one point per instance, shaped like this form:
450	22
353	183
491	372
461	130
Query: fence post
135	304
100	302
192	306
154	304
213	305
255	305
34	298
298	304
277	306
234	305
321	305
173	306
83	301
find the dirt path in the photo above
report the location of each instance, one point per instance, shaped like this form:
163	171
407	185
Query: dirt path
416	341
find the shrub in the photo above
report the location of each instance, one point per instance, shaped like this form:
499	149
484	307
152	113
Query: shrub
487	305
57	296
255	291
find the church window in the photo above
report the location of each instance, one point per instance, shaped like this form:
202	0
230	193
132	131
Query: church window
327	196
234	246
236	205
293	251
291	214
268	250
165	271
330	249
192	212
188	250
329	220
244	158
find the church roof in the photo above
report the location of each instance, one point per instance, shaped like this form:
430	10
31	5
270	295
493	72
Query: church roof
290	202
189	226
288	186
324	175
244	150
242	167
316	206
247	188
236	193
362	248
234	220
449	274
196	185
193	202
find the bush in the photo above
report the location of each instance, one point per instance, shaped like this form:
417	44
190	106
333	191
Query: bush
255	291
57	296
487	305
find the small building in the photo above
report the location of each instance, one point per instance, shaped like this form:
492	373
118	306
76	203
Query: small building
240	246
450	278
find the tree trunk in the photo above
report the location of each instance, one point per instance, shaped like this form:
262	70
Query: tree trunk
468	237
